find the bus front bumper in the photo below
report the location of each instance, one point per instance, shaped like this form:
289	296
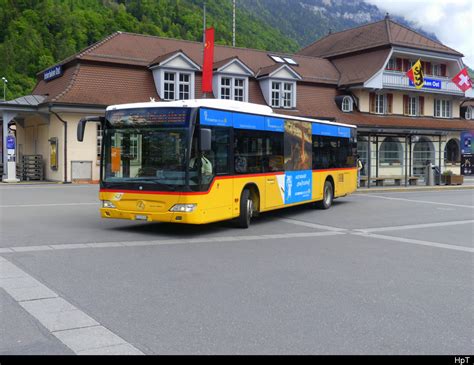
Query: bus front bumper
167	217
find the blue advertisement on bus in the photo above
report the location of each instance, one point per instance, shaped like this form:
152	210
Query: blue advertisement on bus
298	185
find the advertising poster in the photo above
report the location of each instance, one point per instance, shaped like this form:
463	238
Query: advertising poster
298	151
298	185
298	162
467	158
53	153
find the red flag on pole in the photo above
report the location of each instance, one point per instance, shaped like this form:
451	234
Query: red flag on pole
208	61
462	80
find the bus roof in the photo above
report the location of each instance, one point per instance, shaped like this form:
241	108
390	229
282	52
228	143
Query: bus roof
228	105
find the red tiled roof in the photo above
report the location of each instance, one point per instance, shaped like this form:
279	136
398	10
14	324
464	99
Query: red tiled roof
383	33
142	50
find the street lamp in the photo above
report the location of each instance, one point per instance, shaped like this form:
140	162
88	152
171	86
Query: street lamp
5	82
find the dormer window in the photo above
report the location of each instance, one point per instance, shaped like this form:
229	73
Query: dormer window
232	88
278	85
173	74
468	114
231	79
282	94
180	81
347	104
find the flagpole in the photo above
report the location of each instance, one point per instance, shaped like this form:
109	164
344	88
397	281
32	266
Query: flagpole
233	23
204	38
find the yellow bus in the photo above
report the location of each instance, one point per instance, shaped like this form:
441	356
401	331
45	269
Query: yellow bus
206	160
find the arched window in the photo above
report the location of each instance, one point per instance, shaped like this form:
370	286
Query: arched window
391	152
451	151
347	104
422	153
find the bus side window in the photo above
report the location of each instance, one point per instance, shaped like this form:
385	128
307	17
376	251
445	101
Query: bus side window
221	150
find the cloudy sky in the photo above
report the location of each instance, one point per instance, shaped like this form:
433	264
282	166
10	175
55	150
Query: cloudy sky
451	20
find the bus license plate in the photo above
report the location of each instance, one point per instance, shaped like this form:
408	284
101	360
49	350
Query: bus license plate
141	217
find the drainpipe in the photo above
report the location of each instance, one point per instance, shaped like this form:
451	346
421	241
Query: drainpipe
65	143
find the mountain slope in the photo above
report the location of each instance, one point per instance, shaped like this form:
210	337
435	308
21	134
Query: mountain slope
308	20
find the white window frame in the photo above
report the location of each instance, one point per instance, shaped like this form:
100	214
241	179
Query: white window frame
380	104
436	69
281	97
347	104
232	88
184	83
177	83
442	108
412	106
468	114
391	64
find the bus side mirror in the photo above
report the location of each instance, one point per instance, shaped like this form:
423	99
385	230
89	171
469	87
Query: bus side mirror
206	139
82	126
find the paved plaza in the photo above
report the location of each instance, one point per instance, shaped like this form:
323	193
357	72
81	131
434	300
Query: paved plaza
381	272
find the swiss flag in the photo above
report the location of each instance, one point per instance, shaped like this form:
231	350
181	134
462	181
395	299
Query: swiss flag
208	61
462	80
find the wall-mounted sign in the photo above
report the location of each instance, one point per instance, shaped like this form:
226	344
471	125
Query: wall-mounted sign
53	153
429	84
53	73
10	142
466	142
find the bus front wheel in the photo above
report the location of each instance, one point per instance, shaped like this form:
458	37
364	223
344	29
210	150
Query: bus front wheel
328	196
246	210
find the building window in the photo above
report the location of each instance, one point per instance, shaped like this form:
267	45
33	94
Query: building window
451	152
99	140
184	86
442	108
412	105
232	88
169	86
379	104
468	114
239	85
177	81
347	104
225	88
391	152
392	64
287	94
282	94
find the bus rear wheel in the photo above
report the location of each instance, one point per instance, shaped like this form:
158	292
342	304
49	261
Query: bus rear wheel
328	196
246	210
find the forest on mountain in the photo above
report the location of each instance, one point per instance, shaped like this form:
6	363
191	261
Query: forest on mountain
37	34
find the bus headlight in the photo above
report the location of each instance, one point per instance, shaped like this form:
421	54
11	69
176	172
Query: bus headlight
183	208
108	204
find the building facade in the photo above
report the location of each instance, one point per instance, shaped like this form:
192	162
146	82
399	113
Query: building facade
355	76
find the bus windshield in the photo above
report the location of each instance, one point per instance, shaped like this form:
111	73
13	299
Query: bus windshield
147	147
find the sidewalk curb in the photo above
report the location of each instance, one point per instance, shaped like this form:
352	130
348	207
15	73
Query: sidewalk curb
402	190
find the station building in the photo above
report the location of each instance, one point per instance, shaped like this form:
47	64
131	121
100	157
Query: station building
355	76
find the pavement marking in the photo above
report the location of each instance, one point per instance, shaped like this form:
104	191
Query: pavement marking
420	201
167	242
77	330
414	226
45	205
312	225
416	242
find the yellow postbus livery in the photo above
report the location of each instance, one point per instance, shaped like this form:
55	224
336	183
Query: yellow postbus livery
202	161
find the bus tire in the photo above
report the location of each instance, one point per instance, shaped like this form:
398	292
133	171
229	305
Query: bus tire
328	196
246	210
